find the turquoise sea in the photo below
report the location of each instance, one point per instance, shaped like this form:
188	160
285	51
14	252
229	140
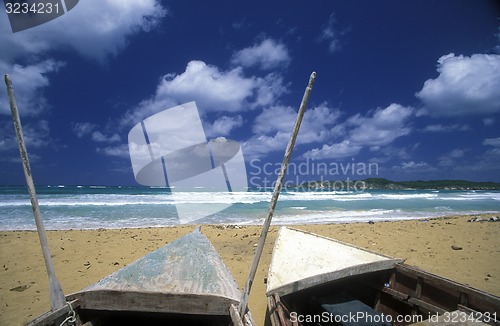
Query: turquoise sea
89	207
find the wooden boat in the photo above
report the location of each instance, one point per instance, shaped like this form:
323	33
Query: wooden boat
183	283
314	280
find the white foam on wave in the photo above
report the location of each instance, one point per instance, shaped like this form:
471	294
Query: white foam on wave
207	197
406	196
324	217
340	196
478	196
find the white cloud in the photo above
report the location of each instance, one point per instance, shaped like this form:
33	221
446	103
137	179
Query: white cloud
489	121
450	158
445	128
273	126
465	86
331	35
94	29
378	128
382	128
99	137
36	135
223	126
266	55
273	119
281	118
28	82
412	166
117	151
339	150
213	90
259	145
268	89
83	129
492	142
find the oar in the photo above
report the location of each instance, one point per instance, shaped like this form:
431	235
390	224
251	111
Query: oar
57	299
267	223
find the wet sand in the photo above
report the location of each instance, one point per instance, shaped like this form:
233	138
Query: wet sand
82	257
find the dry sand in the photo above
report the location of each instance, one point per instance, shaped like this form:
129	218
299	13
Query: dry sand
82	257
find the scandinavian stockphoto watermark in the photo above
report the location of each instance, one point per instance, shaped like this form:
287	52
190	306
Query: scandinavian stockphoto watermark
311	174
170	149
27	14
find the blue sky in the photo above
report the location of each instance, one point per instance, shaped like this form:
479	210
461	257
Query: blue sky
411	86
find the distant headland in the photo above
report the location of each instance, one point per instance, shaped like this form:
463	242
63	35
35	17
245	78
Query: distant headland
385	184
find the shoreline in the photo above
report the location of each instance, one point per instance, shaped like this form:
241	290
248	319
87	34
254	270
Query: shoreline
338	221
82	257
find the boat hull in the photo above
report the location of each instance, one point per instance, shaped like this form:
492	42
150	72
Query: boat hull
402	293
183	282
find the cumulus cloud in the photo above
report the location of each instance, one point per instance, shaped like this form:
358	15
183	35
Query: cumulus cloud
83	129
412	166
281	118
268	89
338	150
29	82
94	29
273	119
223	126
116	151
465	86
382	127
375	129
273	125
213	89
36	135
266	55
260	145
99	137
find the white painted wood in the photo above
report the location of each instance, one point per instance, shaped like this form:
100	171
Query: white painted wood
301	260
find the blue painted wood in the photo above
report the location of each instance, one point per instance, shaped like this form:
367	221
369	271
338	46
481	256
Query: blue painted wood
184	276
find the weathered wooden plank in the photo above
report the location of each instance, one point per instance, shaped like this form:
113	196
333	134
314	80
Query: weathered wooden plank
301	260
235	316
464	293
442	281
277	311
426	305
192	304
185	276
49	317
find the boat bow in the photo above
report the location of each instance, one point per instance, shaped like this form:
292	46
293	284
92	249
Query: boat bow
301	260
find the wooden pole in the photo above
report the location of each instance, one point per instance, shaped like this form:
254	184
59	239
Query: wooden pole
57	299
276	192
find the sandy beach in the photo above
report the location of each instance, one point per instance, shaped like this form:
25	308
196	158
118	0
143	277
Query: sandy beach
82	257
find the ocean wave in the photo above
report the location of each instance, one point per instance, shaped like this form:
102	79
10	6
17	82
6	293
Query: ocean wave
406	196
144	207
